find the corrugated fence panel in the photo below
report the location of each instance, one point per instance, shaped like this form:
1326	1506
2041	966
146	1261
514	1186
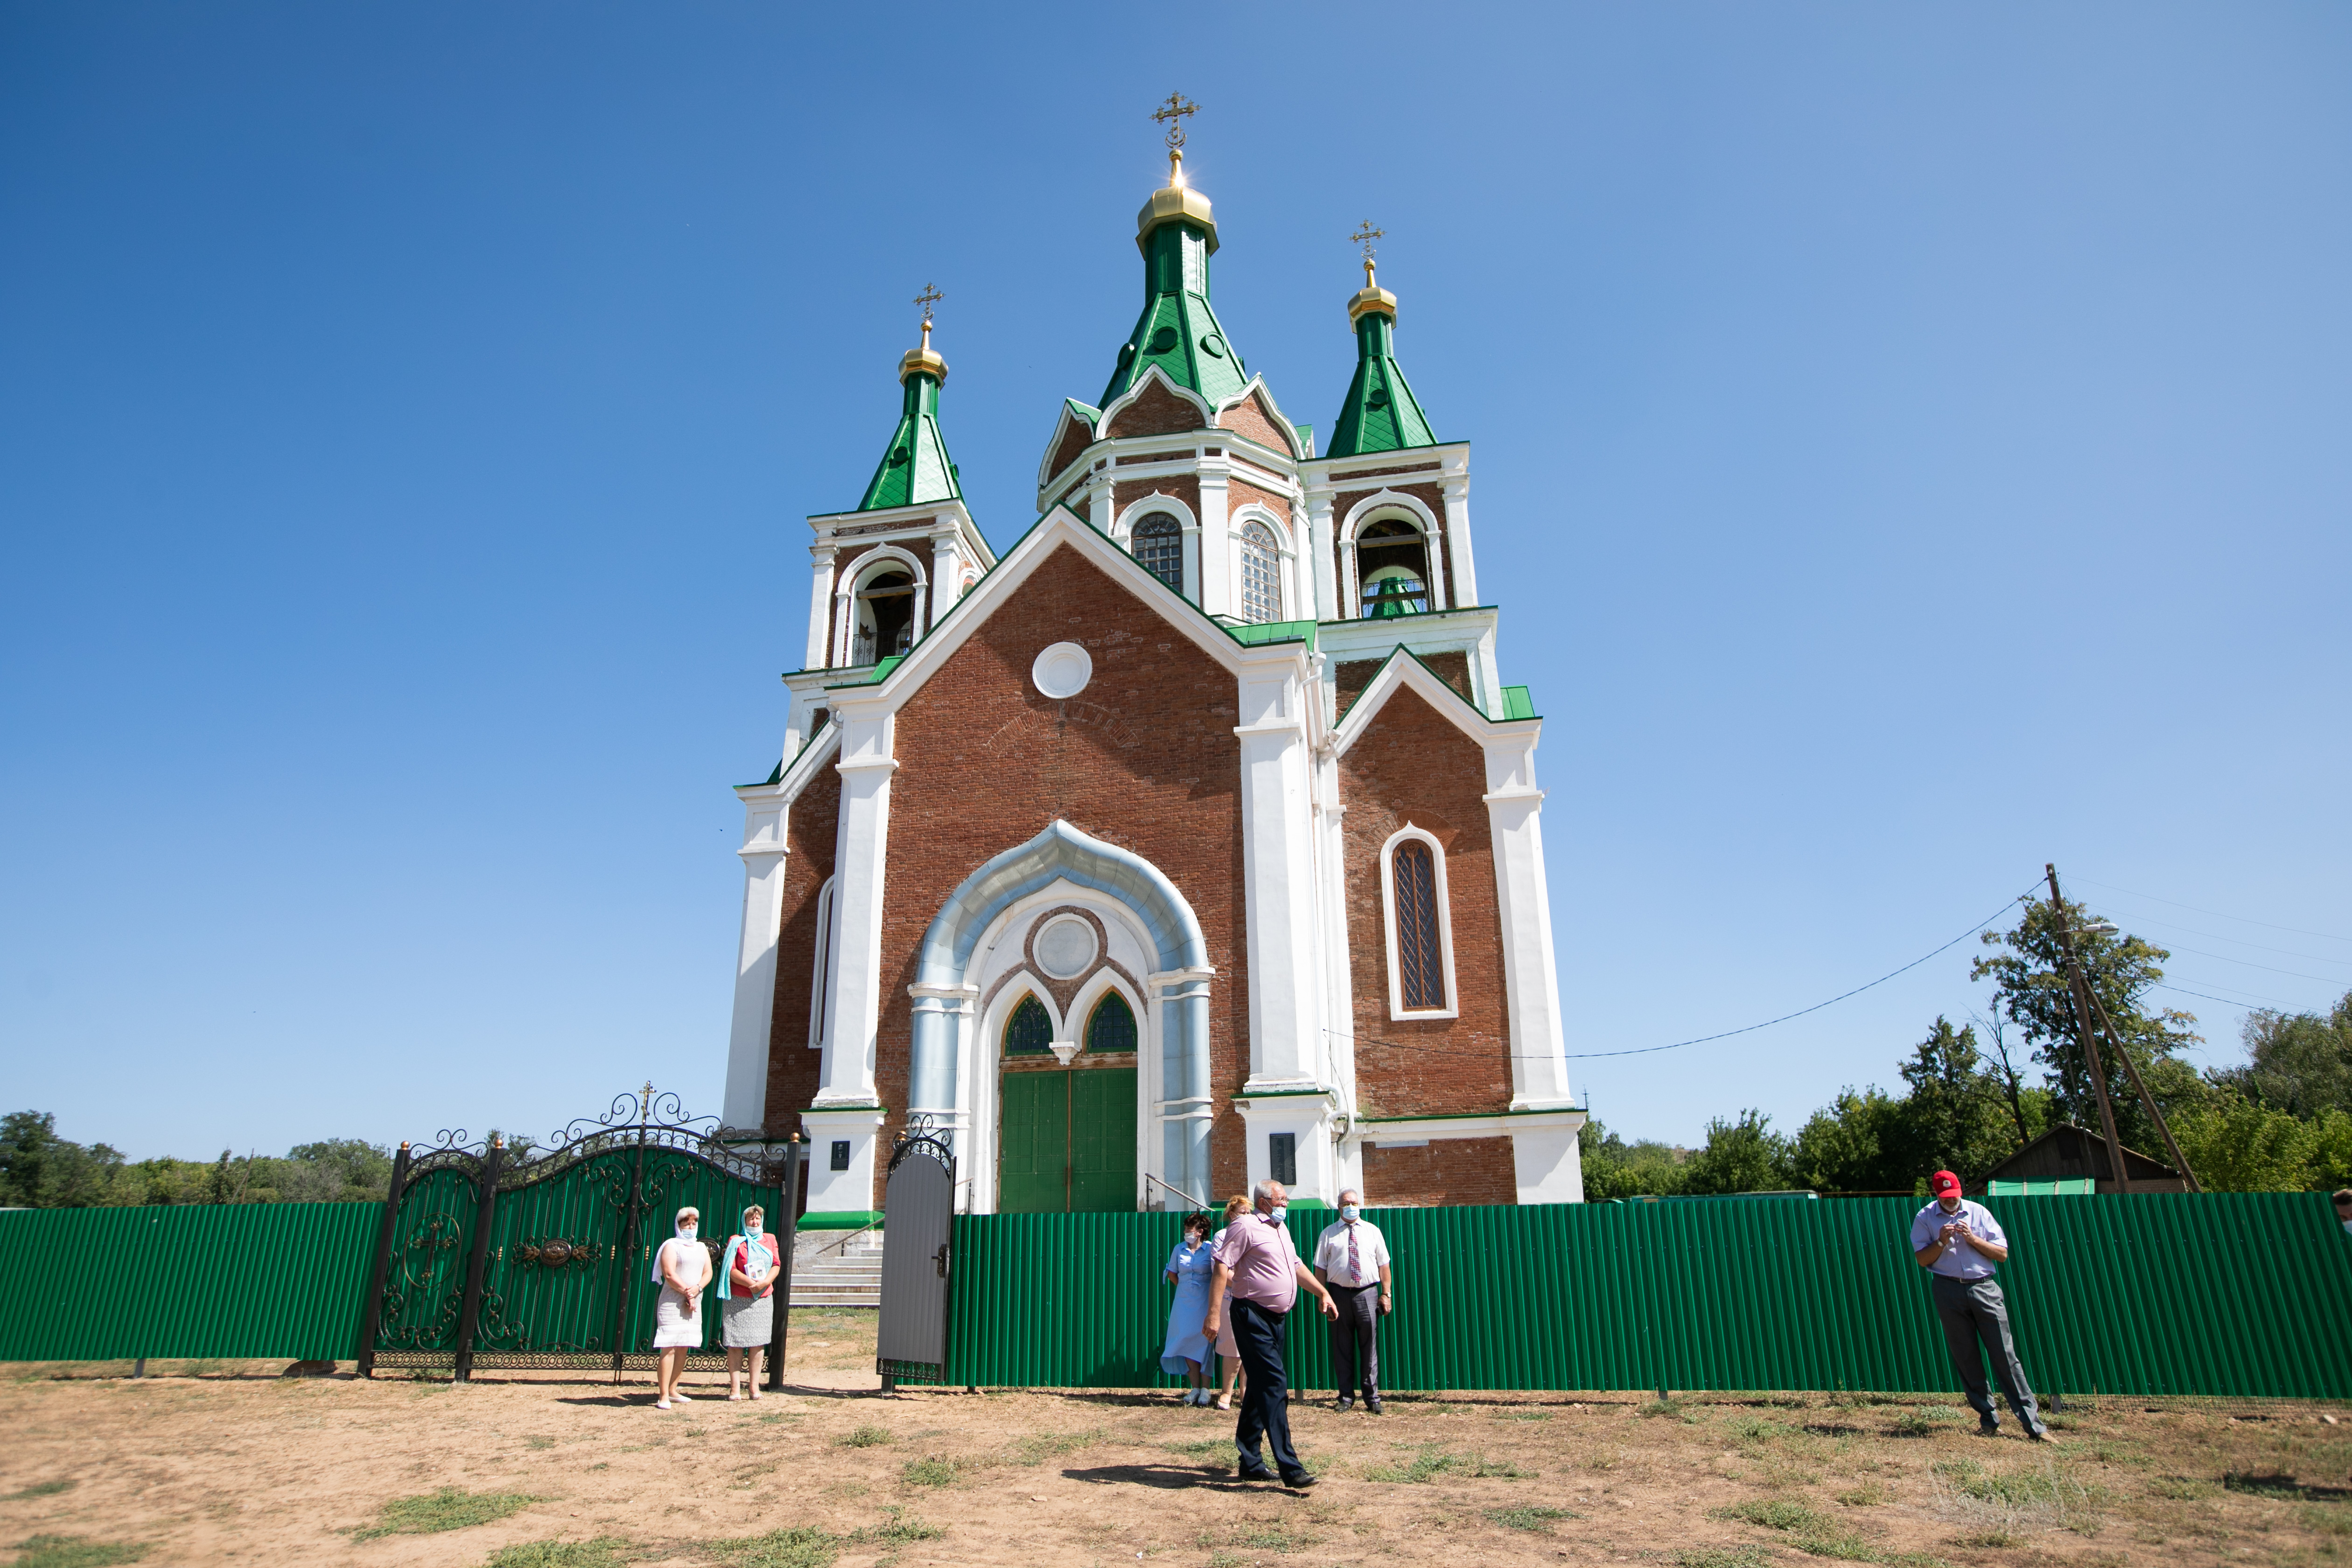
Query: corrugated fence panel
231	1281
2220	1294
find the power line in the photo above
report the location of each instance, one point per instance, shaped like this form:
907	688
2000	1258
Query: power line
2175	903
2241	941
2226	1001
2273	968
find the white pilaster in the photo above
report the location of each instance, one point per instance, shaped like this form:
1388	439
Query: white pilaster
1218	596
745	1104
1279	881
1317	510
1530	982
846	1076
1457	530
850	1190
820	628
947	570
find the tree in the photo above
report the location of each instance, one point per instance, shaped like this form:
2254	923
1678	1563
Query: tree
1616	1169
1742	1156
40	1169
1854	1144
2031	987
2300	1063
1953	1117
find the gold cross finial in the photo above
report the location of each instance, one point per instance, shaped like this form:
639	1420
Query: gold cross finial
930	296
1364	235
1172	114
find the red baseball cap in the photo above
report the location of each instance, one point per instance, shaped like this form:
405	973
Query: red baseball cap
1943	1182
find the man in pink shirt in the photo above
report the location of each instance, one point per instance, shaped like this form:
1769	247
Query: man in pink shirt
1257	1264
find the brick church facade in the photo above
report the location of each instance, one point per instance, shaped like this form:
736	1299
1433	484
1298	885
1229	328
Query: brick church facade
1194	840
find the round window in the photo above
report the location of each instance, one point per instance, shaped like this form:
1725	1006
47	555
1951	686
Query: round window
1161	341
1214	345
1066	948
1062	670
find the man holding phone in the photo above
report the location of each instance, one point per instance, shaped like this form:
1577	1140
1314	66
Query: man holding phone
1961	1244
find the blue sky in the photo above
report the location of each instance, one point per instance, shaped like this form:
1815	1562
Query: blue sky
1910	446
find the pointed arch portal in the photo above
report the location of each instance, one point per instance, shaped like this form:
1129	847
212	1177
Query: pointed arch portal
1179	989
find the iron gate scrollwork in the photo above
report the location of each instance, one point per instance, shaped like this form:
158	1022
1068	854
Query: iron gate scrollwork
531	1257
918	1200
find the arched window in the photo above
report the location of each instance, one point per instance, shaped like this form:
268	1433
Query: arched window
1028	1033
1419	942
1261	575
1159	545
886	617
821	969
1392	565
1112	1027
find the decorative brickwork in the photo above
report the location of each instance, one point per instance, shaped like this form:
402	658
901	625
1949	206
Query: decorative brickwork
1352	678
808	839
1185	487
1239	491
1137	458
1145	759
1075	441
1353	475
1413	764
1157	412
1252	418
1445	1173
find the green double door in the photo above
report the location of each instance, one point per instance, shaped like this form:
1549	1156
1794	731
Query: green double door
1068	1140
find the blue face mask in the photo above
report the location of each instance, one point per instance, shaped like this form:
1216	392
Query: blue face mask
1349	1211
1275	1214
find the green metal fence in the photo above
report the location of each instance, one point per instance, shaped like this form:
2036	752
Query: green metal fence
232	1282
2217	1294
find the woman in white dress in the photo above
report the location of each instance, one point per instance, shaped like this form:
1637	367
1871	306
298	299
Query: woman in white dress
682	1268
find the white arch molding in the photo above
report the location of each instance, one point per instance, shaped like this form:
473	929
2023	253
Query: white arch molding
1122	533
1389	506
1289	603
863	569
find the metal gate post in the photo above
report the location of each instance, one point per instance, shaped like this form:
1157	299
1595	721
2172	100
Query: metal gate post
780	1318
623	1288
469	1314
372	1310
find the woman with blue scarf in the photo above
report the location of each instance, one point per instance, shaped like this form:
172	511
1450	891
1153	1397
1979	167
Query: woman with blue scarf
1187	1348
747	1307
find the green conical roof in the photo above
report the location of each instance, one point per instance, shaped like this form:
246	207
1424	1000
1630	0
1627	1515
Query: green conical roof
1381	415
915	466
1178	331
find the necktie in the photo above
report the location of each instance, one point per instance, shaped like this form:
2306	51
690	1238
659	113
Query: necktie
1354	1269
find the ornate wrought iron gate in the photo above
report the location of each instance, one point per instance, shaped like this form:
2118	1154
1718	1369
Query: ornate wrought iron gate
490	1256
919	1198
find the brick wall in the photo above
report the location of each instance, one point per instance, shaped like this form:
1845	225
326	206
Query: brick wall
1413	764
1075	440
1239	491
1185	487
1352	678
1159	411
1144	758
1249	418
1443	1174
809	841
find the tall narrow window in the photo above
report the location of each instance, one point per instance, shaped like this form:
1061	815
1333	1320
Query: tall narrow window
886	617
1392	565
1261	575
1420	951
1028	1033
821	972
1159	545
1112	1027
1282	1157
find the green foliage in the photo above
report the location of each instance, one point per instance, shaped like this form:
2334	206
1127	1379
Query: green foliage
76	1551
2300	1063
2239	1145
40	1169
2031	988
1616	1169
1742	1156
451	1508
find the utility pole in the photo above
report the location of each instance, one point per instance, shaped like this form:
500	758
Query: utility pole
2087	1034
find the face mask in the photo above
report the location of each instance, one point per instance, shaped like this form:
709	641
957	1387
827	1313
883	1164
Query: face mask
1349	1211
752	1228
687	1231
1276	1213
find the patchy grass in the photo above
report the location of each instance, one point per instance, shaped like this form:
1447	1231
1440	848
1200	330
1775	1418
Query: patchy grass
868	1436
2283	1487
932	1470
1723	1557
606	1551
900	1529
1431	1461
2012	1502
39	1488
451	1508
1911	1424
1773	1513
802	1546
1045	1445
1862	1497
76	1551
1538	1519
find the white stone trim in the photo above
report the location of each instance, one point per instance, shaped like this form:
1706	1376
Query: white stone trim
861	571
821	969
831	1190
1292	447
1404	671
750	1031
1125	400
1397	1009
1387	505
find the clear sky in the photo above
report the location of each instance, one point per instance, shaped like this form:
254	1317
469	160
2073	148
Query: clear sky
1911	445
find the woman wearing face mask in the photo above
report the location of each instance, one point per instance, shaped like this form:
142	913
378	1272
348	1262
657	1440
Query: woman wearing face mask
1187	1348
747	1288
1235	1208
682	1268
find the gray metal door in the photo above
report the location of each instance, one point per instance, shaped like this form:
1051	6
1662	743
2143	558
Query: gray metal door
918	1206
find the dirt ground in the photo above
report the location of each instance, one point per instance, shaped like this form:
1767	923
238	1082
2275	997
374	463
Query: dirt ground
235	1465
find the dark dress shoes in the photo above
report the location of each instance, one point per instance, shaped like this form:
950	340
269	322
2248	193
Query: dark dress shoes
1372	1403
1255	1473
1297	1480
1346	1402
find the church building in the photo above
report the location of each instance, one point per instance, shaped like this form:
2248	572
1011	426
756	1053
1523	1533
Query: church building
1193	840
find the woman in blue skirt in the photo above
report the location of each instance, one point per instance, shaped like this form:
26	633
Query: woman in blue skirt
1187	1350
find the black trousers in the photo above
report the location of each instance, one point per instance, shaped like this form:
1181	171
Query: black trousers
1357	1332
1977	1313
1265	1410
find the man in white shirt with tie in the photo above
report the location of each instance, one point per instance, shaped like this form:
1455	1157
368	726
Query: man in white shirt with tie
1352	1260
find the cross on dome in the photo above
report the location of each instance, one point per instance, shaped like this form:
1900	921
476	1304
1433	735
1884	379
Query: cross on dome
930	296
1364	235
1172	114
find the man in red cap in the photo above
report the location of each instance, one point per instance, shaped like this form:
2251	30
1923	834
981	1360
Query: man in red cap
1961	1243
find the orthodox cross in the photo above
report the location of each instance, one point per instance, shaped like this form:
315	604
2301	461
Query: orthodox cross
1364	235
1171	113
930	296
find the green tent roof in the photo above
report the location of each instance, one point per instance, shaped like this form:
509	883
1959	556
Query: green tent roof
1381	415
914	468
1178	331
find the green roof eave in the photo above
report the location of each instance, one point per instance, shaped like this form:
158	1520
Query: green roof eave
1518	704
1257	635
